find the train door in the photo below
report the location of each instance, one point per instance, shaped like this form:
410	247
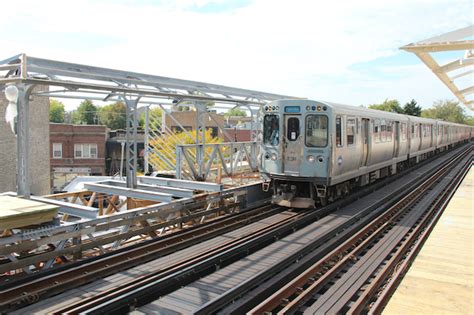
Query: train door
365	126
292	144
396	136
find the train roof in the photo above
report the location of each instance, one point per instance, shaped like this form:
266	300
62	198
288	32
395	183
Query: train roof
369	111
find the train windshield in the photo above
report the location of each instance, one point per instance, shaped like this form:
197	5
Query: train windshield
316	130
271	130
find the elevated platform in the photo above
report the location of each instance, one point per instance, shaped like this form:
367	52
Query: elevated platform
441	279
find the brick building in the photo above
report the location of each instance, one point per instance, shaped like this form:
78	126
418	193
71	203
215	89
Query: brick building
76	150
188	120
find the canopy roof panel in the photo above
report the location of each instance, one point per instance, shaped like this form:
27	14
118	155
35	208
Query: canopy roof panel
452	74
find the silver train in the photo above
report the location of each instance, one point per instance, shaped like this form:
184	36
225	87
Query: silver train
315	152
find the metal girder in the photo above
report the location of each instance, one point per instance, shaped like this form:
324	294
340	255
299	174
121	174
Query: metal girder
129	192
451	41
175	191
78	76
181	183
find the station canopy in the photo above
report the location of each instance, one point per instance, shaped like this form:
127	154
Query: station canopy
457	75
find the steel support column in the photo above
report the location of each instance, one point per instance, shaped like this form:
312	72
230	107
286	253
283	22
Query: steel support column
201	111
147	129
23	160
131	141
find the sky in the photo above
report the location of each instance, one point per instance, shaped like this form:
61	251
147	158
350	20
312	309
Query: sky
340	51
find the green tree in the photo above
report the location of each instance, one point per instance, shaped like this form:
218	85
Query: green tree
154	117
412	108
469	121
448	110
388	106
235	112
56	111
183	108
113	115
86	113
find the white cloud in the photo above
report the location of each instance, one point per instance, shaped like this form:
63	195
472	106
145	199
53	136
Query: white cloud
275	46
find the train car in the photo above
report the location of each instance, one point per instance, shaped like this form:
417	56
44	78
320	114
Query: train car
314	152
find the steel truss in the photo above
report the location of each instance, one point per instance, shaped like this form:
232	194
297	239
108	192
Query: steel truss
53	245
452	41
233	158
69	80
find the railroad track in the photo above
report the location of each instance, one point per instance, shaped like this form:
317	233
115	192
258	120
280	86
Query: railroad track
153	285
31	289
359	274
246	296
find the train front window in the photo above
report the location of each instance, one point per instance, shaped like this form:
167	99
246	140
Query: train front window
293	129
316	131
271	130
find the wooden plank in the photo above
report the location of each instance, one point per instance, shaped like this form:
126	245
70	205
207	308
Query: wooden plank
441	279
18	212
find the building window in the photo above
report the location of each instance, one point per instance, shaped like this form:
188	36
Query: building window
57	150
85	151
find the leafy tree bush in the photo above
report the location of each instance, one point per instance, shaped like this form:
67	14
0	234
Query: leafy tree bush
56	111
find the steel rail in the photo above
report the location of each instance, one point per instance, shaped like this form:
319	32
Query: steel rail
321	272
397	274
31	289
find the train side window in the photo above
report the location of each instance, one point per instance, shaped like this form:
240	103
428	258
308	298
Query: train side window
351	130
293	129
377	130
389	131
383	131
339	131
403	131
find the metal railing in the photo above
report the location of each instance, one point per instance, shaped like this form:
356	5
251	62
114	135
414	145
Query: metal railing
212	161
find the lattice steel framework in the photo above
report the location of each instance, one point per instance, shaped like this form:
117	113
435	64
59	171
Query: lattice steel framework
69	80
453	41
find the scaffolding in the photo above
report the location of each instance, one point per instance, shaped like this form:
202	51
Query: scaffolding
70	80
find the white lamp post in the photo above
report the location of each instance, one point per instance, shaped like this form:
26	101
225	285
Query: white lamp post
11	93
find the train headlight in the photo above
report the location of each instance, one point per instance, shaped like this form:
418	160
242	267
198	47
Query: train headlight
274	157
311	158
